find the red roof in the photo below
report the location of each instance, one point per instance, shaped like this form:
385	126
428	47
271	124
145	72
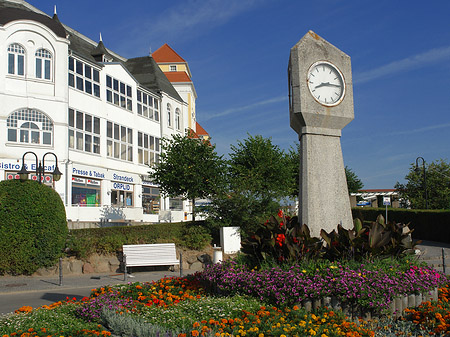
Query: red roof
177	76
200	130
167	54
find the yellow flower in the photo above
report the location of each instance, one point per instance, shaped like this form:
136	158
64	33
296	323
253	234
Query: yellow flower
261	335
312	332
303	271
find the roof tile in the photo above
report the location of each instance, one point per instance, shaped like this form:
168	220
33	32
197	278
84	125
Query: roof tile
166	54
177	76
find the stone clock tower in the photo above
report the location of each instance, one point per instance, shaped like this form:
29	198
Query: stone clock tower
320	106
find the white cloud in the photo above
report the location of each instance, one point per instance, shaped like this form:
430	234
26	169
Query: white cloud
412	62
424	129
245	107
195	14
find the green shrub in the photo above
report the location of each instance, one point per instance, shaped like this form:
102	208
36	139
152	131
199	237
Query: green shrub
109	240
196	237
427	224
33	227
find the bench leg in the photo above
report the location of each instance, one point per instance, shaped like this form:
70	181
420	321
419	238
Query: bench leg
124	267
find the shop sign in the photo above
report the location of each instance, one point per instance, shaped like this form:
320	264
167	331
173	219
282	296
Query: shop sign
93	182
18	166
11	176
122	187
149	183
78	180
122	177
11	166
46	178
88	173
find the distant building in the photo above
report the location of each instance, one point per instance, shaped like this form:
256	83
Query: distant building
177	71
374	198
103	115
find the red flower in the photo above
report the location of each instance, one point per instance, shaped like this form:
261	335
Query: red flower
280	213
280	239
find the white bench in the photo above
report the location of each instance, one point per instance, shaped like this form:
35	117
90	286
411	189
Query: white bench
157	254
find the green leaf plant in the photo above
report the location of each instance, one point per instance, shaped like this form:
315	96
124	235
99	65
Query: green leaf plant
282	240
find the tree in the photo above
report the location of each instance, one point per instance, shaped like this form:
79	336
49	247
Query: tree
294	162
189	168
354	184
259	177
437	176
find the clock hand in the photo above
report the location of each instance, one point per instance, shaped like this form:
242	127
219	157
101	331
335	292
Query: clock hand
333	85
321	85
327	84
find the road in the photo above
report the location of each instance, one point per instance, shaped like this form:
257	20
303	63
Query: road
14	300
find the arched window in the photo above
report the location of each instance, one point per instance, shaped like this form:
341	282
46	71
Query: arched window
169	116
177	119
16	59
43	64
29	126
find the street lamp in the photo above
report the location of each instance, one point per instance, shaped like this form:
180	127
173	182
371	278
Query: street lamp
424	179
40	168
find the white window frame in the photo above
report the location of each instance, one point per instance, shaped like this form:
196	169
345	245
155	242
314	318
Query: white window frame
148	149
24	125
83	76
147	106
169	116
43	64
119	93
16	59
84	131
119	141
173	67
177	119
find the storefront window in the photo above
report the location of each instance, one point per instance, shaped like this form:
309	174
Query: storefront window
121	198
150	200
176	204
85	192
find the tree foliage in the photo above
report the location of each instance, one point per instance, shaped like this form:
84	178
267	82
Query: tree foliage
354	184
189	168
33	226
437	176
259	176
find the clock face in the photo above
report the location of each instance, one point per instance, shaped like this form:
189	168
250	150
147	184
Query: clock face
326	83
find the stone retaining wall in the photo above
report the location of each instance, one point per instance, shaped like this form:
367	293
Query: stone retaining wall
191	260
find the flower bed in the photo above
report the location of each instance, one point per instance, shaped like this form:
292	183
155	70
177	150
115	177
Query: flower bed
181	307
364	286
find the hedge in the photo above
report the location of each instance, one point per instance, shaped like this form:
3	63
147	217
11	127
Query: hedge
33	227
432	225
109	240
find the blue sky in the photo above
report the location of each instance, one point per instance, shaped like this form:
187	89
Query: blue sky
238	53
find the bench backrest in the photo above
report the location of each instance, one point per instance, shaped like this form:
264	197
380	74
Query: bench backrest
158	254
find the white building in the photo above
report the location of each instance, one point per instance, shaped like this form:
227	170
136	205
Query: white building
101	114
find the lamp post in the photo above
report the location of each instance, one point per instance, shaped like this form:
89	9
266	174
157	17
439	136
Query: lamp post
40	168
424	179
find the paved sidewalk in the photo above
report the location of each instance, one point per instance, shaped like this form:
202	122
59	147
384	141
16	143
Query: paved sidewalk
431	253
